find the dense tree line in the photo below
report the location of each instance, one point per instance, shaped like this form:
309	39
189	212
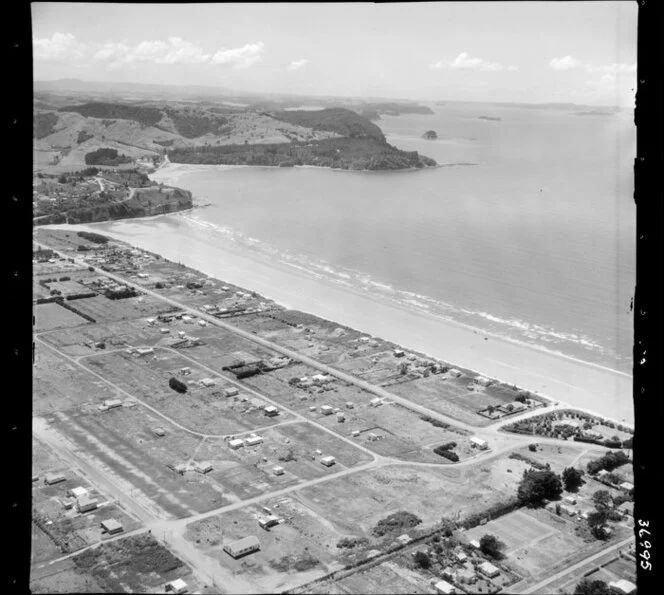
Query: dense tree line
146	116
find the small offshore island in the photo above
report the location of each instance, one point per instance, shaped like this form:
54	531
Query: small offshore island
430	135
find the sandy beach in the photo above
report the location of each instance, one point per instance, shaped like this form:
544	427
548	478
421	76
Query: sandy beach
563	379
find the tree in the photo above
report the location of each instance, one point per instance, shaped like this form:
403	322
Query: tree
572	479
491	546
587	587
536	485
422	560
447	527
602	499
177	385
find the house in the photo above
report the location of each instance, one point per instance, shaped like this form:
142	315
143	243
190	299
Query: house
627	486
455	373
518	406
626	509
399	353
570	499
159	432
278	470
140	351
356	433
350	405
111	403
488	569
449	573
326	410
203	467
268	521
111	526
475	543
176	586
404	539
67	503
202	323
482	381
253	440
623	587
86	504
164	331
341	417
321	378
476	442
78	492
52	478
568	509
231	391
328	461
271	411
208	382
602	473
242	547
151	321
460	556
376	402
236	443
444	588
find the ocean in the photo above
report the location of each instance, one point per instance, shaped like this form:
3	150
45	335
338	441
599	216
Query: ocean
526	231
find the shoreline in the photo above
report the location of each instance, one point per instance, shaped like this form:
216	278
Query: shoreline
570	381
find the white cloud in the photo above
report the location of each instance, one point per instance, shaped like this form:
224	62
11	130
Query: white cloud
173	51
512	68
464	62
615	68
297	64
60	47
240	57
566	63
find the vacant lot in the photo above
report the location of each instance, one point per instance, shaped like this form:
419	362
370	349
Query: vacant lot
357	502
62	577
104	310
123	441
298	550
200	409
53	315
59	385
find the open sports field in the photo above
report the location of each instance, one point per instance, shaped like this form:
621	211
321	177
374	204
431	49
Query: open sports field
53	316
382	578
517	530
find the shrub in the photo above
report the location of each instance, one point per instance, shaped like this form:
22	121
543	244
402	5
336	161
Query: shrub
177	385
491	546
448	454
398	521
422	560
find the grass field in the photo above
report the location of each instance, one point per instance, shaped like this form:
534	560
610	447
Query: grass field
62	577
104	310
54	316
59	385
381	578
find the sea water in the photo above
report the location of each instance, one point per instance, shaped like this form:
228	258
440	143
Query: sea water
527	230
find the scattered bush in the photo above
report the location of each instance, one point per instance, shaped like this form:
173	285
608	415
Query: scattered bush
352	542
398	521
609	461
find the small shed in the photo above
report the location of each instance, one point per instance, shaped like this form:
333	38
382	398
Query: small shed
52	478
356	433
404	539
111	526
253	440
271	411
476	442
326	410
455	373
341	417
242	547
624	587
159	432
85	504
278	470
77	492
112	403
350	405
475	543
203	467
488	569
376	402
236	443
444	588
176	586
328	461
627	486
570	499
231	391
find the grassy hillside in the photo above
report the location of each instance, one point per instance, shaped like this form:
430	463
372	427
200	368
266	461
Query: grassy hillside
342	121
146	116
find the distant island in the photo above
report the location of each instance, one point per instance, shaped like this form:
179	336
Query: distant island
430	135
374	111
596	112
68	137
491	118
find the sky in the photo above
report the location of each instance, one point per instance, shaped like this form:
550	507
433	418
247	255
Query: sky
532	52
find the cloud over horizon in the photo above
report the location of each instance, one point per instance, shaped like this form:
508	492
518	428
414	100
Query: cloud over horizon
63	47
464	62
297	64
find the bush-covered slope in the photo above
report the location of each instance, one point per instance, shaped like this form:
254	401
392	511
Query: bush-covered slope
146	116
339	120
